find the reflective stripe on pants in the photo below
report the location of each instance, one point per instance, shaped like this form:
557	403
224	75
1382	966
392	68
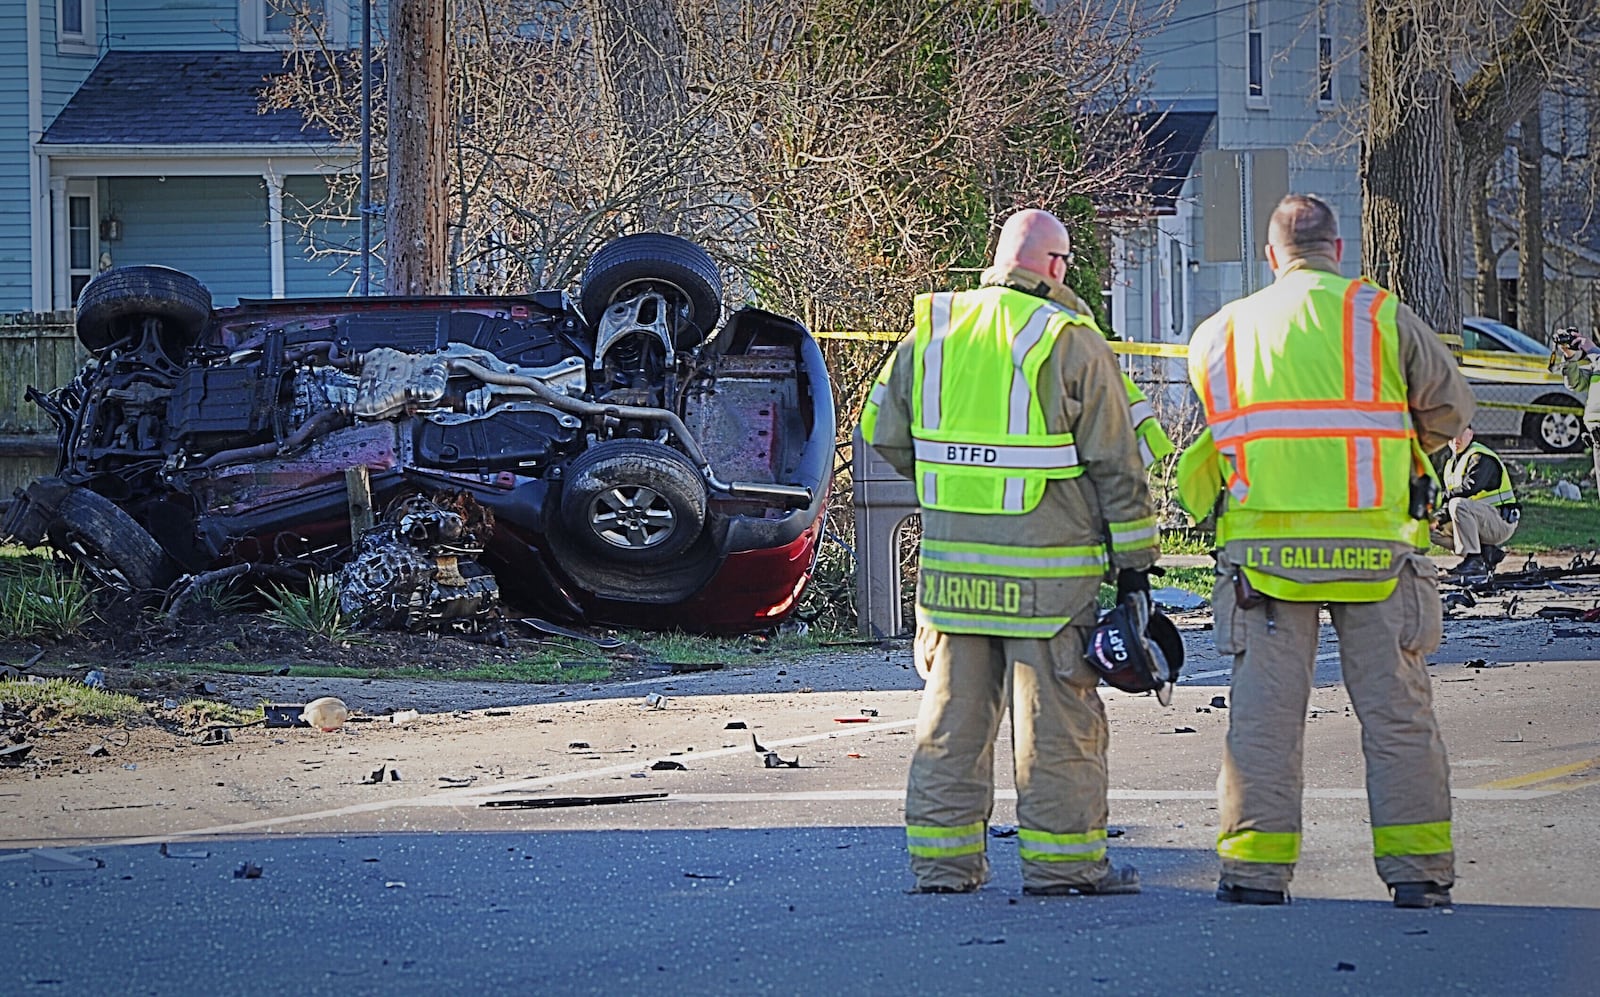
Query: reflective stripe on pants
1059	742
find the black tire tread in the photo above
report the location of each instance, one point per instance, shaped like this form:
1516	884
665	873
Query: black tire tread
654	254
116	535
178	299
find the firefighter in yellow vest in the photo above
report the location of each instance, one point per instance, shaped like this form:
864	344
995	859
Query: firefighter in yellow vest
1007	409
1480	508
1321	396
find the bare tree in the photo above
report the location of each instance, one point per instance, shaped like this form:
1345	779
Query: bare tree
1530	244
840	156
1445	83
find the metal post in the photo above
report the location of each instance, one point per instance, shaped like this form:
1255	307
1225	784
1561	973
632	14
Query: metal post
366	147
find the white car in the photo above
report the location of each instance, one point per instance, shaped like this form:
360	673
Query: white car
1552	432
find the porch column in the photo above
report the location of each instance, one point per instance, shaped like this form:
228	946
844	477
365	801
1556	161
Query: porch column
275	229
57	249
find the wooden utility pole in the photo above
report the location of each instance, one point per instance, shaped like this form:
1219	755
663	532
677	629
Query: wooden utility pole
1530	257
416	232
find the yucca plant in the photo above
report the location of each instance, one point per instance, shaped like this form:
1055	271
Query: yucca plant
314	611
44	601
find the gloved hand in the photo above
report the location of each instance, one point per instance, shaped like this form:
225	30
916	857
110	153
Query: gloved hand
1135	580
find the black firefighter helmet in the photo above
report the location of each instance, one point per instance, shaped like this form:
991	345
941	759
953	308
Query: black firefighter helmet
1135	648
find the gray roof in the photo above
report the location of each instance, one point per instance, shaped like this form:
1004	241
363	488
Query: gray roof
179	98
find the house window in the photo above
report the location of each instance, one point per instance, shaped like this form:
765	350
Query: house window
275	22
1255	54
75	23
80	242
1325	53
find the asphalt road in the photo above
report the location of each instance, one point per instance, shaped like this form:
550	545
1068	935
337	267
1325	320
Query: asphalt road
741	878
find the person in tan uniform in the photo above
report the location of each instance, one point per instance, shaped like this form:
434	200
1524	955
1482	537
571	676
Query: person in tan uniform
1322	396
1007	409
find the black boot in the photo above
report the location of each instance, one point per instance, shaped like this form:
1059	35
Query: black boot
1473	568
1493	555
1421	895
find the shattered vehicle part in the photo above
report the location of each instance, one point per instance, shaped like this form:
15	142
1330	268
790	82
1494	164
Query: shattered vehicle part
418	568
643	459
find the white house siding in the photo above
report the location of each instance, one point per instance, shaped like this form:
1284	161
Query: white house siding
212	227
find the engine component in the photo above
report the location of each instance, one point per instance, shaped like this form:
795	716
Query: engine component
417	569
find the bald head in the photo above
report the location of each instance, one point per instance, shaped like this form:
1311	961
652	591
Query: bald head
1034	240
1303	225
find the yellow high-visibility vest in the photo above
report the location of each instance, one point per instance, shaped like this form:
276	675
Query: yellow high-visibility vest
1306	386
1455	472
979	435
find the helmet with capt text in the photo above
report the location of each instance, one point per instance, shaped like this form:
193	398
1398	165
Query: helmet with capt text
1136	648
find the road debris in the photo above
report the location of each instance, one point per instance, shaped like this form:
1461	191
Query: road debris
13	754
60	860
378	775
735	725
214	736
167	853
655	701
400	718
458	780
558	802
95	679
1219	702
327	714
1175	599
772	761
284	715
852	720
247	870
1002	830
668	765
97	751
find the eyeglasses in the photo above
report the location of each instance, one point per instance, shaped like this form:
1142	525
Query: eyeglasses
1065	258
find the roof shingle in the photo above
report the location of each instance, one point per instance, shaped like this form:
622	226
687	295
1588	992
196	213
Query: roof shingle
179	98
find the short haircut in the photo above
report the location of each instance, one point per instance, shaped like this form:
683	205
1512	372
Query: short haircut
1303	221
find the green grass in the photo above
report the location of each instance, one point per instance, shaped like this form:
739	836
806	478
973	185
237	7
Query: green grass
39	599
1552	524
314	611
1189	541
68	699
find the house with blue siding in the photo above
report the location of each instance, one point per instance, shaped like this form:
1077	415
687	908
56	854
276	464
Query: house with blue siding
133	131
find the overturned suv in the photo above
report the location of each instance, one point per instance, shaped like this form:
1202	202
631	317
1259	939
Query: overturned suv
623	456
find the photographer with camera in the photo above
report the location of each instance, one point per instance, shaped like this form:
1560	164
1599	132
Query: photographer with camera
1577	359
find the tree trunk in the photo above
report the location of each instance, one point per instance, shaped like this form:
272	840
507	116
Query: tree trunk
639	48
1530	261
1485	256
416	231
1409	172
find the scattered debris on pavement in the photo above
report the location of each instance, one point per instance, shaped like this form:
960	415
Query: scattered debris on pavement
379	774
327	714
247	870
556	802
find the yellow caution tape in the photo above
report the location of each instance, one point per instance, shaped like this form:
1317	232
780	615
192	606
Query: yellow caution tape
1499	358
870	337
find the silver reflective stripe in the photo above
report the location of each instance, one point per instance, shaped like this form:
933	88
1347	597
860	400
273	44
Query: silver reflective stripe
933	358
1217	371
1012	501
1122	538
879	390
1040	458
990	558
1145	453
1359	345
953	623
1142	411
916	841
1021	389
1498	498
1062	848
930	488
1331	420
1365	471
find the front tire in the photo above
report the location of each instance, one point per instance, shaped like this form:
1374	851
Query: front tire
91	531
110	305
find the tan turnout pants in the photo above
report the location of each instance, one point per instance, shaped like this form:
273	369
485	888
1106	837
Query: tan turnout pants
1059	735
1473	523
1382	651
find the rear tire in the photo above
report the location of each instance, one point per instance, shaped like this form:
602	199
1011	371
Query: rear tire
111	304
1554	432
654	261
91	531
633	501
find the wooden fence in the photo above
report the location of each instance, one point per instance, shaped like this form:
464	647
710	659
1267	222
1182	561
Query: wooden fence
38	349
